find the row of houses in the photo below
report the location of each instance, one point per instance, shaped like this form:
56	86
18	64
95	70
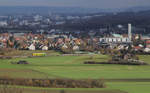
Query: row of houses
42	42
58	42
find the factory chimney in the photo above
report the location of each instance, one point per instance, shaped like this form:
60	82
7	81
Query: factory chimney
129	31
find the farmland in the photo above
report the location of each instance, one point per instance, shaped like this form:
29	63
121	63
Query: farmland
72	67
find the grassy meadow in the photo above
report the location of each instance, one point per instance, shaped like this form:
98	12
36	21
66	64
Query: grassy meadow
72	67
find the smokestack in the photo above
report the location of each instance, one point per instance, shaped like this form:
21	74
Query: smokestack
129	31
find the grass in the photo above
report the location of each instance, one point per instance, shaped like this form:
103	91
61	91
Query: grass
131	87
73	67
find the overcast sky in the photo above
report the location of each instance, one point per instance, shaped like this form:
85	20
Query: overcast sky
77	3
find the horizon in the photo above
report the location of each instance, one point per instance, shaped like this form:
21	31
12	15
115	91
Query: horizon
101	4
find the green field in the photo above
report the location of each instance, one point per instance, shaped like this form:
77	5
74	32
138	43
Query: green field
73	67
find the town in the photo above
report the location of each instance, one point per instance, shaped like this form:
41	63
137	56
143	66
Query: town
74	50
74	33
72	43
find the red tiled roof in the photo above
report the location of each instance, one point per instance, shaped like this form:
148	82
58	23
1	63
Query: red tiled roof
137	47
148	42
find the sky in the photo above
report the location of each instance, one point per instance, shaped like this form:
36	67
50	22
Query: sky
77	3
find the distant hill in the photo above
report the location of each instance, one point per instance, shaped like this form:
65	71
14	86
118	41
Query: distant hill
138	19
65	10
138	8
46	10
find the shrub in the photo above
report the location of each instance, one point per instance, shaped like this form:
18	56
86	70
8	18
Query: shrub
54	83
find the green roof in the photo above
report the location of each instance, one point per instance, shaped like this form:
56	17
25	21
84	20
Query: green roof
117	35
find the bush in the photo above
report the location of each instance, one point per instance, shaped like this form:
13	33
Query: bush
54	83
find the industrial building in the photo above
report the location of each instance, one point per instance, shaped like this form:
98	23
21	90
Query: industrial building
118	38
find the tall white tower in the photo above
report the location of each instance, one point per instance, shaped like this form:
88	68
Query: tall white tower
129	31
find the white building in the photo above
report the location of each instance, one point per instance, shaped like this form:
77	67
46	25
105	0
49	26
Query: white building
76	48
147	50
115	40
3	23
118	38
44	48
64	46
31	47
